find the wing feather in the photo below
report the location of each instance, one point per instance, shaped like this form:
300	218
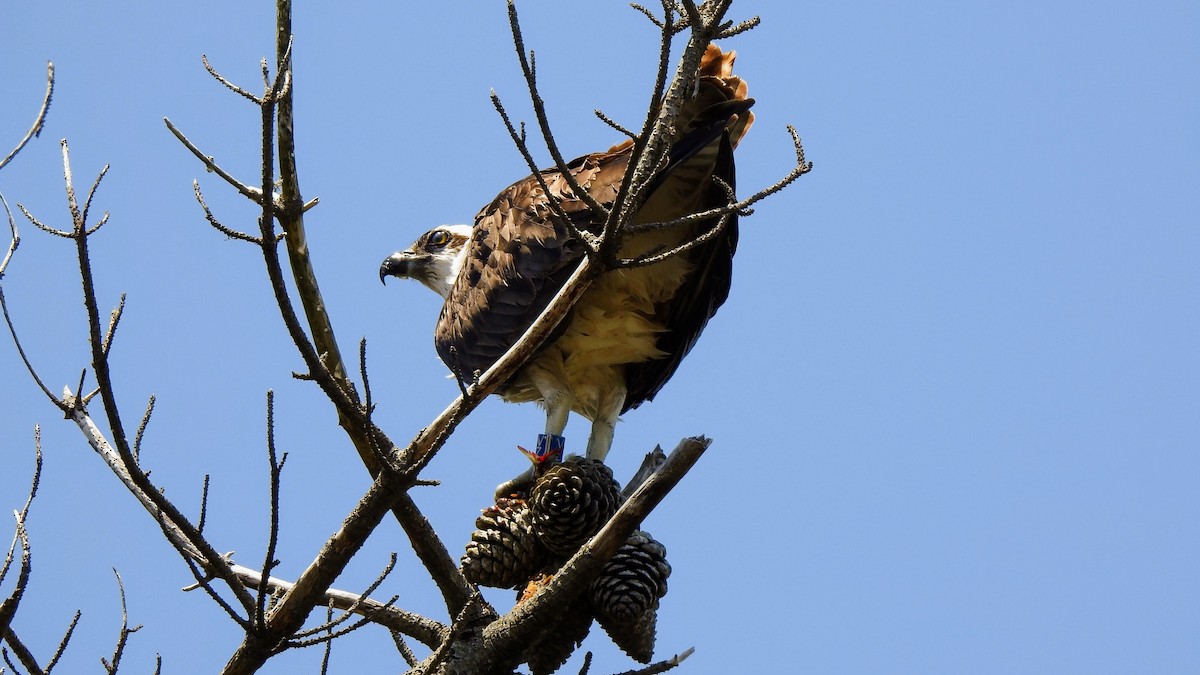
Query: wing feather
519	256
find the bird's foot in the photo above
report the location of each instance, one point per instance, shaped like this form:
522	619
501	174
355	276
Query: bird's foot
547	453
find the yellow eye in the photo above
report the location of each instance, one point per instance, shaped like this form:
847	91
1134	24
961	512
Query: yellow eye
439	238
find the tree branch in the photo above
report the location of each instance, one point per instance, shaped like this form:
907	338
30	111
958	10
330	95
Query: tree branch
40	120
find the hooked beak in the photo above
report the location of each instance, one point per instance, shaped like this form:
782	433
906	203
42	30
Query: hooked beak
402	264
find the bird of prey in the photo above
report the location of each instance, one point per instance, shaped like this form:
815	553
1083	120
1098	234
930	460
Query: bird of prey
632	327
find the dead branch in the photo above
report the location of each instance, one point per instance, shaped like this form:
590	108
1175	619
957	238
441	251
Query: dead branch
137	446
276	469
539	111
801	167
253	194
62	645
217	225
123	635
16	237
333	623
36	129
426	631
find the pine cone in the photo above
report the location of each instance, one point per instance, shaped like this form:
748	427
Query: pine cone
635	638
571	502
547	652
632	581
503	551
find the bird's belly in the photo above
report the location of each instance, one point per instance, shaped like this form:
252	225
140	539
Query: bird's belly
614	324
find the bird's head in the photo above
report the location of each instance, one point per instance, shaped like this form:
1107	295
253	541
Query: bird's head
434	259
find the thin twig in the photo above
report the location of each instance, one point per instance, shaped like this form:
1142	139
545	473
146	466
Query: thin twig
739	28
212	220
402	646
62	645
276	469
87	204
141	431
12	330
16	237
113	319
8	608
119	454
253	194
539	111
203	505
613	123
801	167
362	596
656	256
229	85
40	120
42	226
552	199
123	637
204	580
329	642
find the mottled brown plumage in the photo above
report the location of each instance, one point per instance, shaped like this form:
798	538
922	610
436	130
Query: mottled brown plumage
631	329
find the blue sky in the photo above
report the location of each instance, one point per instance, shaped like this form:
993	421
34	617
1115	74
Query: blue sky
954	391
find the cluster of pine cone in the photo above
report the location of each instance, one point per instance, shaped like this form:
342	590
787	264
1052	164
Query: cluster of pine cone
521	540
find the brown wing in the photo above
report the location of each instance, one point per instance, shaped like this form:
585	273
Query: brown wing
518	257
705	290
517	260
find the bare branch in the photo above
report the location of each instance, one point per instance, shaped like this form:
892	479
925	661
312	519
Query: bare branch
362	369
179	532
62	645
37	473
253	194
613	123
212	220
740	28
203	580
203	505
12	330
276	468
141	431
113	319
655	256
8	608
552	199
36	129
801	167
123	636
87	204
405	651
41	226
229	85
425	631
362	596
16	237
25	656
539	111
648	14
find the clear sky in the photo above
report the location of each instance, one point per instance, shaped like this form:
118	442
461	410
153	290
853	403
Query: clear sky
955	391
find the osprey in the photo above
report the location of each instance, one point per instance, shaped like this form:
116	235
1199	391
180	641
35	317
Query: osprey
631	328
